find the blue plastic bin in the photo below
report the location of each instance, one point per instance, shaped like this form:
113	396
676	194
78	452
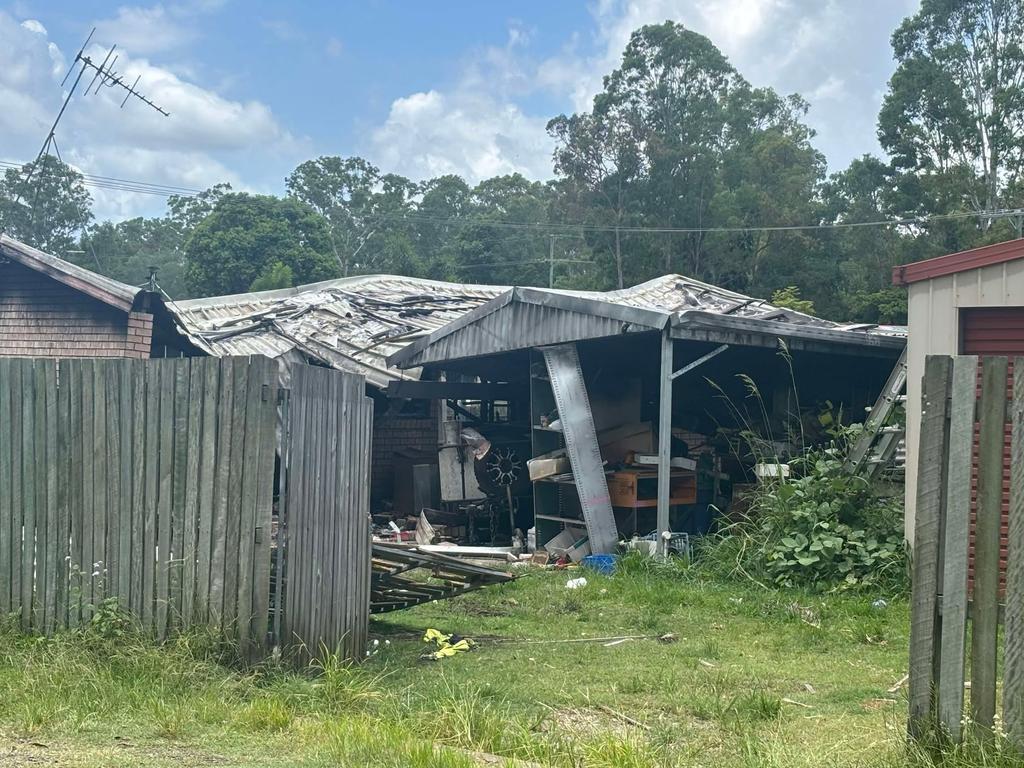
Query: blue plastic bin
601	563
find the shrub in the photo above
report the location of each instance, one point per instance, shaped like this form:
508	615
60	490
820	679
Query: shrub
822	529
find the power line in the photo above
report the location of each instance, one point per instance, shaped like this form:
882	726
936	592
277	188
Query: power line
549	228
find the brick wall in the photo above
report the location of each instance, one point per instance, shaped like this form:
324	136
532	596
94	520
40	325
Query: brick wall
40	317
393	432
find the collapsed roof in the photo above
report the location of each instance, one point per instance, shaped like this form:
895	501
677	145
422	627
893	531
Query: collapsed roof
379	325
350	323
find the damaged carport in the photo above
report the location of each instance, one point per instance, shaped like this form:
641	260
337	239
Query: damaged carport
670	359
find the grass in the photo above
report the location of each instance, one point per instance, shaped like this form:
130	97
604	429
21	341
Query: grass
753	678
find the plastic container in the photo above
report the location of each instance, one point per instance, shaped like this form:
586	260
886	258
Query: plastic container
601	563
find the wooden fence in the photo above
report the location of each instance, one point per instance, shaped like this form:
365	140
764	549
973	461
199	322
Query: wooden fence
964	546
146	481
326	561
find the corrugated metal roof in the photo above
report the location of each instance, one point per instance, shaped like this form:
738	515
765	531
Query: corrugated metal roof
102	288
357	323
351	323
985	256
532	317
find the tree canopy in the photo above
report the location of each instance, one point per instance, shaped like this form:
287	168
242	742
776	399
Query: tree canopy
249	238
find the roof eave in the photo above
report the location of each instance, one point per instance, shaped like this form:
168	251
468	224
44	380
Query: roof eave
750	331
963	261
103	289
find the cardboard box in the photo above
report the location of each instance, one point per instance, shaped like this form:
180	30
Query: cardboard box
541	468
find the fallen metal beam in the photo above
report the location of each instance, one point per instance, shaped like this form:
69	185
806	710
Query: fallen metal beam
699	361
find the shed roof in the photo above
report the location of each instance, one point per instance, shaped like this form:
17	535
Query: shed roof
950	264
531	317
379	325
102	288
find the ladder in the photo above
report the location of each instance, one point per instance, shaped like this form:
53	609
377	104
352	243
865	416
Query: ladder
880	440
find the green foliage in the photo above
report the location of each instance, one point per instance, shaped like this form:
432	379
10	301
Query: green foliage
822	529
44	204
789	297
244	236
276	275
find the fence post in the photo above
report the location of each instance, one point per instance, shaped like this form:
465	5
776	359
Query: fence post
955	554
1013	631
931	498
985	610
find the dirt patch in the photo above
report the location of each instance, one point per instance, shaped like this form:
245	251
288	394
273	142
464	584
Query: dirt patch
25	753
584	723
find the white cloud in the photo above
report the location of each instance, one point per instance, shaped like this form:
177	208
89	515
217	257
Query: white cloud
149	30
475	128
465	132
205	138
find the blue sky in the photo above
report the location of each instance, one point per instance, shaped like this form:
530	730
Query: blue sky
419	88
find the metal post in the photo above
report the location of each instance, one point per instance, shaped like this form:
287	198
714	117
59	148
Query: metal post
664	440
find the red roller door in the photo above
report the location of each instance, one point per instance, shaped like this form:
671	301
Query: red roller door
993	331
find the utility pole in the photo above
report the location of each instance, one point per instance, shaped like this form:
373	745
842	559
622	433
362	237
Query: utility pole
551	261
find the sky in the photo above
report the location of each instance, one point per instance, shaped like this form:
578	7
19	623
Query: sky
419	88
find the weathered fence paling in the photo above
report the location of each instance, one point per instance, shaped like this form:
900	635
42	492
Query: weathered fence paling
327	550
943	558
113	479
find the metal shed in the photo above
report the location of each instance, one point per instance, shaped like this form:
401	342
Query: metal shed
670	325
972	303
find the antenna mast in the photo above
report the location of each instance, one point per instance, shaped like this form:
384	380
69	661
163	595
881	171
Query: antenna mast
104	74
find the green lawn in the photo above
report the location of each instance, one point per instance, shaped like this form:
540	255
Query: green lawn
753	678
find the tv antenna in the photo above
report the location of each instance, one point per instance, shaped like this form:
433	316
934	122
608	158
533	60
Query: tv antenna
104	76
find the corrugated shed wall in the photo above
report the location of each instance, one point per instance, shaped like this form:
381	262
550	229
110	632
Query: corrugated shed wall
934	326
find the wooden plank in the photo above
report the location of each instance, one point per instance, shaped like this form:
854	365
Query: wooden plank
279	553
190	509
289	566
140	408
1013	631
956	537
112	434
85	567
30	499
151	445
72	374
210	384
177	561
65	436
6	501
247	504
931	494
100	486
234	506
316	503
17	487
164	494
985	608
264	508
53	552
41	569
225	437
332	596
125	438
